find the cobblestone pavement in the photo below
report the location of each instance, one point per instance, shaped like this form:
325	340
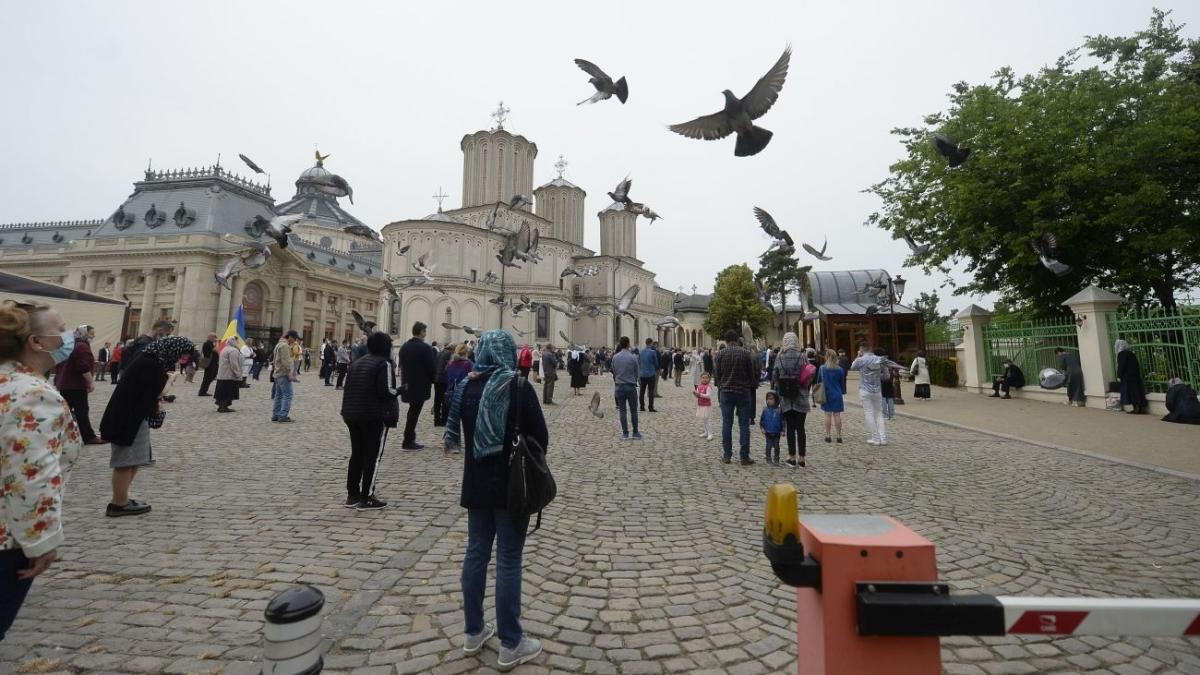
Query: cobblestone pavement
648	562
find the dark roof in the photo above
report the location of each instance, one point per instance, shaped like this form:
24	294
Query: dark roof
693	303
19	285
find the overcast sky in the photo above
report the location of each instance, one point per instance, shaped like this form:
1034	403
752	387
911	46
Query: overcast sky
93	90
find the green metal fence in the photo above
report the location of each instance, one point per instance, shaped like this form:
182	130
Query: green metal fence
1030	344
1167	345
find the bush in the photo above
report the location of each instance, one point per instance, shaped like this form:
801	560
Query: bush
943	372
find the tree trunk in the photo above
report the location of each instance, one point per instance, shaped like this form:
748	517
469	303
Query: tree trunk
1164	291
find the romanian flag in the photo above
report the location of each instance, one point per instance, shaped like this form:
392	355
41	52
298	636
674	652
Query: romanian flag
237	326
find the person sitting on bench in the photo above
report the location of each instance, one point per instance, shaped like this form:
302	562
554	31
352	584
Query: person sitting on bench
1012	378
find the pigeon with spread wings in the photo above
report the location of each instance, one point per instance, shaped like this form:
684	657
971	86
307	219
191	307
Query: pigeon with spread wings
277	227
624	302
621	194
779	237
1048	255
365	326
250	163
738	114
819	255
464	328
605	87
227	272
949	149
917	249
594	406
425	267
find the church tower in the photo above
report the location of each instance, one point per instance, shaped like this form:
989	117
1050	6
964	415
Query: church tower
618	232
496	164
561	202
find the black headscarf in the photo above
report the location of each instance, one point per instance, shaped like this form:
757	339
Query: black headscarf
168	350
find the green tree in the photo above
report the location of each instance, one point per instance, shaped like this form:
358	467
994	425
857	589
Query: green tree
1104	157
781	274
735	299
927	305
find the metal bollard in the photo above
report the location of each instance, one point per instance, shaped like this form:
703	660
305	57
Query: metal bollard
292	643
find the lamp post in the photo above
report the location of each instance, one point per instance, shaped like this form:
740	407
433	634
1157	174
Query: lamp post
895	293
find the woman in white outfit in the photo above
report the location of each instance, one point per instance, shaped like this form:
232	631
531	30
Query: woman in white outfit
697	367
920	373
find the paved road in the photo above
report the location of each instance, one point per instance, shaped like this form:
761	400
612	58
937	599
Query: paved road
649	562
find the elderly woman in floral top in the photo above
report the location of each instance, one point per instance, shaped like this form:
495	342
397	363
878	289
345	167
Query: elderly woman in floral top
38	442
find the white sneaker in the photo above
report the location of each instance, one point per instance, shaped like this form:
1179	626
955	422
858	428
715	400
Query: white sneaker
872	441
475	642
708	437
882	442
703	435
526	650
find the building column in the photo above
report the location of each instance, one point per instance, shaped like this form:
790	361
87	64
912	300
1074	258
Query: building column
286	308
383	312
90	281
148	299
1091	307
298	295
119	285
177	308
239	289
222	316
322	314
974	363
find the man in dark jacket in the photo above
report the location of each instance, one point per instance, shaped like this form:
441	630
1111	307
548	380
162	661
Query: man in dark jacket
1011	378
208	361
417	366
439	386
328	361
678	365
369	408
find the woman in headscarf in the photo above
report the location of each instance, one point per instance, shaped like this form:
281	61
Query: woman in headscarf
578	368
482	404
1068	362
39	441
697	366
231	367
1182	405
1129	373
138	396
790	364
73	378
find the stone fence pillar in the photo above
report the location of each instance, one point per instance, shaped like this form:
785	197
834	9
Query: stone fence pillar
974	366
1091	306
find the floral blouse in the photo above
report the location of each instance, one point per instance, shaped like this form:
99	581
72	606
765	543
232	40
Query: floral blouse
39	441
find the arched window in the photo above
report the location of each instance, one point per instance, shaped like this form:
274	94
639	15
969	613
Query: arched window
543	322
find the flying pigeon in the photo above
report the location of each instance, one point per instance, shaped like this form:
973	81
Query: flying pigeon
917	249
668	322
424	266
518	201
520	332
590	271
621	193
651	215
498	301
626	301
508	252
439	289
594	406
605	87
391	288
277	227
333	185
527	243
403	249
639	209
737	115
819	255
490	223
570	271
1049	255
763	296
362	231
748	335
365	326
250	163
872	310
415	281
779	237
260	256
490	277
564	337
946	147
572	311
226	272
464	328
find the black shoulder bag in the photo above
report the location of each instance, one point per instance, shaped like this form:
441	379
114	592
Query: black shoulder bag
531	486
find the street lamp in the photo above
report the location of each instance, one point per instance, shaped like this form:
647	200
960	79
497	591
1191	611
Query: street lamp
895	293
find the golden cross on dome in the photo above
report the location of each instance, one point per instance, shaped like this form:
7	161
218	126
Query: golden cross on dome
500	115
439	197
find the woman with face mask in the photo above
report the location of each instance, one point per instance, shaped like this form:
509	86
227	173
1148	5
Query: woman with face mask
73	378
39	440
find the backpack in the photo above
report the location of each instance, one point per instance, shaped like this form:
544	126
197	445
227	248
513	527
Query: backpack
885	374
531	486
806	375
789	383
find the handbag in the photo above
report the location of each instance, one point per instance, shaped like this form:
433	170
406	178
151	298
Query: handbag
818	393
531	486
156	419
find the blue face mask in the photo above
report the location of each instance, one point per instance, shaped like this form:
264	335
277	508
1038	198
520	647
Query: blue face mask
64	350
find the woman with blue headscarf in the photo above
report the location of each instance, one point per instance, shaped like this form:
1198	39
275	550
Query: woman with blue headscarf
481	405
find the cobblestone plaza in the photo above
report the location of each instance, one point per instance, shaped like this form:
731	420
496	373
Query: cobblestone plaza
649	561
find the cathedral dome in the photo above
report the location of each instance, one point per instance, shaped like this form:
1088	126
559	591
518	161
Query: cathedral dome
316	171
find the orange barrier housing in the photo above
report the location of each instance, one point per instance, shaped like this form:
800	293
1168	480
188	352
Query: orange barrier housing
850	549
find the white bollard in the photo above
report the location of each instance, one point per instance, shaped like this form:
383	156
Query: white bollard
292	644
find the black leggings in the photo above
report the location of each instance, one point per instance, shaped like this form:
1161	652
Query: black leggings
78	400
367	439
793	421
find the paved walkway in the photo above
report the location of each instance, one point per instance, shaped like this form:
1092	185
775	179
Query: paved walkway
1143	439
649	561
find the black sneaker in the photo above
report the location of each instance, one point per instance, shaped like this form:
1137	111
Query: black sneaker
411	446
371	504
351	502
747	462
133	508
285	418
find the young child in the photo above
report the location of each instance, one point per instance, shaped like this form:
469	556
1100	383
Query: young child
771	423
703	394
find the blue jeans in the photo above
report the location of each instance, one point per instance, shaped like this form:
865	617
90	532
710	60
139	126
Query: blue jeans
889	408
741	402
508	531
255	369
627	394
283	397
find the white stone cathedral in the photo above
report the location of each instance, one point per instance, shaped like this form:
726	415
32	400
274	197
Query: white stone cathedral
496	166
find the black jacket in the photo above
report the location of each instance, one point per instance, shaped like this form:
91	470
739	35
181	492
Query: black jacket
132	351
708	363
485	481
134	399
1014	376
443	358
369	393
1183	405
416	369
329	355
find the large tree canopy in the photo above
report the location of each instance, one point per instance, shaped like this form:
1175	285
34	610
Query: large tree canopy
1105	157
780	275
735	299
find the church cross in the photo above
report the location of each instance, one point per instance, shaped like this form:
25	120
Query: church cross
500	115
561	166
439	197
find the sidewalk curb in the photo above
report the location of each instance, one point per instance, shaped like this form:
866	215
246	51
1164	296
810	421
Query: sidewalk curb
1063	448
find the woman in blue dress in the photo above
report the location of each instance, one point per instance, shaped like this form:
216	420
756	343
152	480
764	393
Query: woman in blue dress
833	377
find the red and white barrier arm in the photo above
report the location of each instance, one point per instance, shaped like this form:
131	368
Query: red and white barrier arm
1100	616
